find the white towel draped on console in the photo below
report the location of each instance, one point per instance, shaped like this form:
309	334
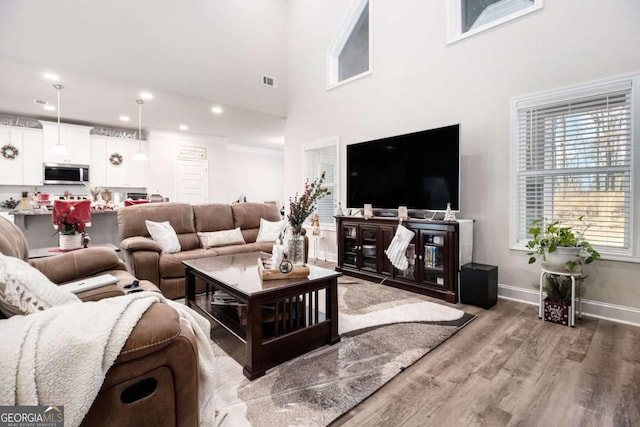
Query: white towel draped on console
398	247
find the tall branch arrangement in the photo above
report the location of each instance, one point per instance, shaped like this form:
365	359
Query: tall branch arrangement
301	206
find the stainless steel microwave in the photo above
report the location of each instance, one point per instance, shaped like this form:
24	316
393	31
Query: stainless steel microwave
64	173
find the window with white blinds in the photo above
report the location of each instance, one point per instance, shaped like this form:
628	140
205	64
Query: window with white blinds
319	158
574	158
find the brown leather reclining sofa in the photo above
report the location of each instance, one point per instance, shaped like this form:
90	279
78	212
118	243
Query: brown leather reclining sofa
144	257
154	380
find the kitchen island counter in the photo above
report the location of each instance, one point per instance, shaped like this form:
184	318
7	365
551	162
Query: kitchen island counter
38	227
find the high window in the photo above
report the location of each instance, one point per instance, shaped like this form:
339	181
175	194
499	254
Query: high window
322	156
349	56
572	156
468	17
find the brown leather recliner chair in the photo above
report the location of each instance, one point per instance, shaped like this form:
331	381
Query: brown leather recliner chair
154	380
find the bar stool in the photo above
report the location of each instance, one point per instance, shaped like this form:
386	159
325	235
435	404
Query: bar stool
573	275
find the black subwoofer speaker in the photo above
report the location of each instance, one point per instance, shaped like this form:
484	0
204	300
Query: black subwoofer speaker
479	285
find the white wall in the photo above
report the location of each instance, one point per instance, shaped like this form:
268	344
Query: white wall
161	167
419	82
256	173
233	169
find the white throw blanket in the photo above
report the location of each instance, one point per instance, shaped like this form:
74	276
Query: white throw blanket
60	356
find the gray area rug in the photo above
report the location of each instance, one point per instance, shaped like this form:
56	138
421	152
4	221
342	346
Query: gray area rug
383	331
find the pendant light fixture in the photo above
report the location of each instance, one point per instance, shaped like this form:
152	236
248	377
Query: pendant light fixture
58	149
140	155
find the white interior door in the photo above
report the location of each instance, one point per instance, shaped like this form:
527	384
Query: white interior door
193	181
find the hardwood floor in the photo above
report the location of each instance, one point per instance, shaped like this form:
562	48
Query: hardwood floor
508	368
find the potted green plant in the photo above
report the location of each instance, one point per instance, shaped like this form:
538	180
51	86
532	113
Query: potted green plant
556	304
563	248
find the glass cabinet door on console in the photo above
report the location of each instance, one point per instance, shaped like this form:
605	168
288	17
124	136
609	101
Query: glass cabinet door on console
362	247
385	237
433	272
350	243
360	243
368	247
432	261
410	273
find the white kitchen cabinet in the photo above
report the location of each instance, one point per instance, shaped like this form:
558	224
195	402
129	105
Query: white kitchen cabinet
98	166
117	173
104	173
32	172
26	167
74	138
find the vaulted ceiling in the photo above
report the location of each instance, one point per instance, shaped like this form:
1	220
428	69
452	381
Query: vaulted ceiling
190	54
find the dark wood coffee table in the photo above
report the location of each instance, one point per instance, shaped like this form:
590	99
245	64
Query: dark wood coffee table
273	320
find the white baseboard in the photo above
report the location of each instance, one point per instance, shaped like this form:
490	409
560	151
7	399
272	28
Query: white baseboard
590	308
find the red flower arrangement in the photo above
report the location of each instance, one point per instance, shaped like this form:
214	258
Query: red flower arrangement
71	217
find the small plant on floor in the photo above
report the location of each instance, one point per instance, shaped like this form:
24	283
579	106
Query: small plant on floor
558	288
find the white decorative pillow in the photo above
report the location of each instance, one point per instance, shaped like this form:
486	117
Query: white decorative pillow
211	239
165	235
270	230
25	290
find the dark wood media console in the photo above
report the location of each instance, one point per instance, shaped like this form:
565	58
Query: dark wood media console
433	254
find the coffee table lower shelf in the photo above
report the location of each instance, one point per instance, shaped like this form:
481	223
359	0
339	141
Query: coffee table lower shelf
270	327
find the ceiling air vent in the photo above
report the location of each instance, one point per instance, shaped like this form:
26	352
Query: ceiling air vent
39	102
269	81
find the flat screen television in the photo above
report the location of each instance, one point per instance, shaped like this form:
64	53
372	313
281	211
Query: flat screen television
419	170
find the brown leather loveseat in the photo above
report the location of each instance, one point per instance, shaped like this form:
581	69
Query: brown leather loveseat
155	377
144	256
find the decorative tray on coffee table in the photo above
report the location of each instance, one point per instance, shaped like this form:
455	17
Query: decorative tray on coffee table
272	274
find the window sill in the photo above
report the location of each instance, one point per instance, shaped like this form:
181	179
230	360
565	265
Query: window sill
457	36
604	256
333	85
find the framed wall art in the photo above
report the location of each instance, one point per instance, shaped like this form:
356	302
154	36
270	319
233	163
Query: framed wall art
192	152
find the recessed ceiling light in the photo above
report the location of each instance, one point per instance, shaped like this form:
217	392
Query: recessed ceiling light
49	107
216	110
124	118
146	95
51	77
183	127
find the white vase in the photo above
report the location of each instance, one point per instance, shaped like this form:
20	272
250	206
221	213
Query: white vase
69	241
558	258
